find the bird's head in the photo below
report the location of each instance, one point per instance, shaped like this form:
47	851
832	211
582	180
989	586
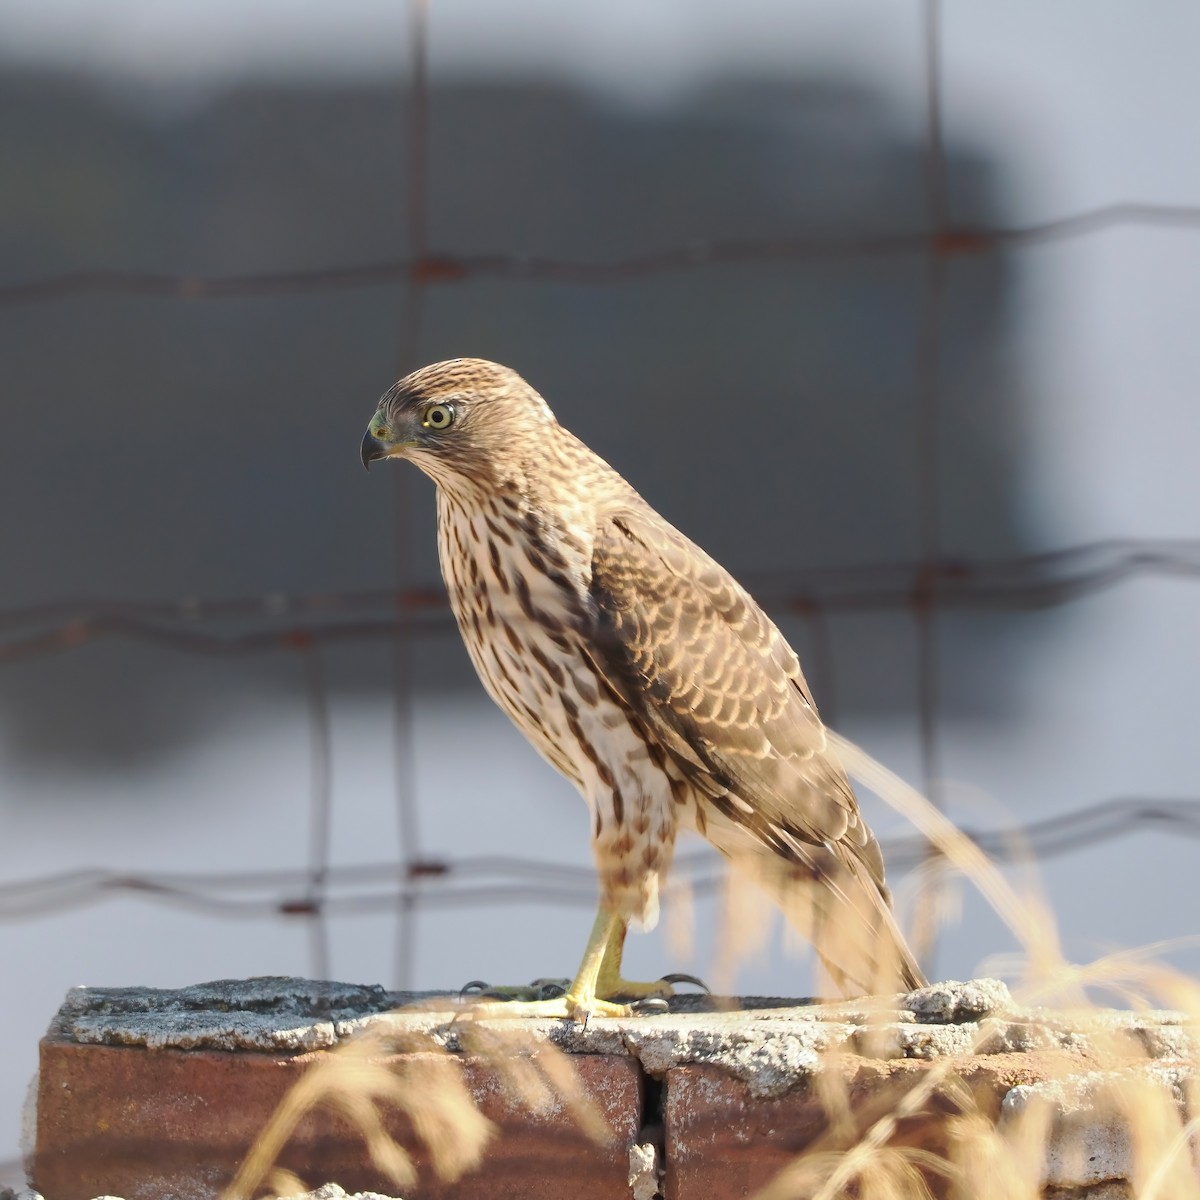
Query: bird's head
457	420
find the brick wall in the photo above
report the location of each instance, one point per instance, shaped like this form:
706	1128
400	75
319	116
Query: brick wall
145	1093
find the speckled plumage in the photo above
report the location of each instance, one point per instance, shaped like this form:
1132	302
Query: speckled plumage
640	669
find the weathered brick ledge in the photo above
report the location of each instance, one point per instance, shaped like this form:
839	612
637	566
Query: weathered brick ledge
145	1094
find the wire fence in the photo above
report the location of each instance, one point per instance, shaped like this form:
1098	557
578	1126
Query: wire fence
305	625
378	887
424	269
278	622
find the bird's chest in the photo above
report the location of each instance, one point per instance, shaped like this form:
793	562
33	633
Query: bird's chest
522	611
518	614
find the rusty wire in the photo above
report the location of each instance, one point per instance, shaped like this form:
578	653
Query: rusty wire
927	464
407	353
377	887
321	808
431	268
250	625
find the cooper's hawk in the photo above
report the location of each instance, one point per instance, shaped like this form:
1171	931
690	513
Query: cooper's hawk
640	669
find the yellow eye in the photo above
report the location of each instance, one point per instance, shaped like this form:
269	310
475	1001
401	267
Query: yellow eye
438	416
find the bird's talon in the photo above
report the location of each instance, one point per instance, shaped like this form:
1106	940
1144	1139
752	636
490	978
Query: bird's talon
651	1004
550	989
683	977
539	989
565	1007
628	989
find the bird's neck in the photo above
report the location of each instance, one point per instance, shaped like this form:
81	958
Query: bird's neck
560	475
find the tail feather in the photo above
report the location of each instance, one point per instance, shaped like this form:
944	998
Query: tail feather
847	919
835	898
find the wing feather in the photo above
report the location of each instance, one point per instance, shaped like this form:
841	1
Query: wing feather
706	668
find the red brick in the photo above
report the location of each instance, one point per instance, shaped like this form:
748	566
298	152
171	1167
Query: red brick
723	1141
141	1124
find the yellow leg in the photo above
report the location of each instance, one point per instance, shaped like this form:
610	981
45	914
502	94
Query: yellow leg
598	978
609	982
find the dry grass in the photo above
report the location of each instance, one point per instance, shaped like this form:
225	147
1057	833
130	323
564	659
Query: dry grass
385	1070
979	1159
361	1080
867	1151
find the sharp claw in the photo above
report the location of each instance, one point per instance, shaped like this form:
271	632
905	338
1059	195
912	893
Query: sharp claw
651	1004
549	989
681	977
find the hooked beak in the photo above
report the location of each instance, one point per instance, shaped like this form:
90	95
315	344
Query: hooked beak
371	449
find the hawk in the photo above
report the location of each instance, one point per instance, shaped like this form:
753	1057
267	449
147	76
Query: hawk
641	670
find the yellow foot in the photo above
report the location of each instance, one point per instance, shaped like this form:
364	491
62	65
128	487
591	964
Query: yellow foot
628	989
614	986
571	1008
553	997
538	989
595	990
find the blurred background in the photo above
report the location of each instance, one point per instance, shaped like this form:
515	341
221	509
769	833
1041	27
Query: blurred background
891	307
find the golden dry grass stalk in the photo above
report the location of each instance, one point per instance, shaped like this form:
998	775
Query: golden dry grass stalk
980	1160
362	1080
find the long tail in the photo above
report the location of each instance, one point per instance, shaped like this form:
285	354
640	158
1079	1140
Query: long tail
848	919
834	897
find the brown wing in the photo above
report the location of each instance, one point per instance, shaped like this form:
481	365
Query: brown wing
705	667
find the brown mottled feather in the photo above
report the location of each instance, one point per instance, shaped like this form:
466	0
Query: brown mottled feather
713	676
715	680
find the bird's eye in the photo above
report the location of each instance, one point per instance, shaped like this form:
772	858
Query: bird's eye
438	416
